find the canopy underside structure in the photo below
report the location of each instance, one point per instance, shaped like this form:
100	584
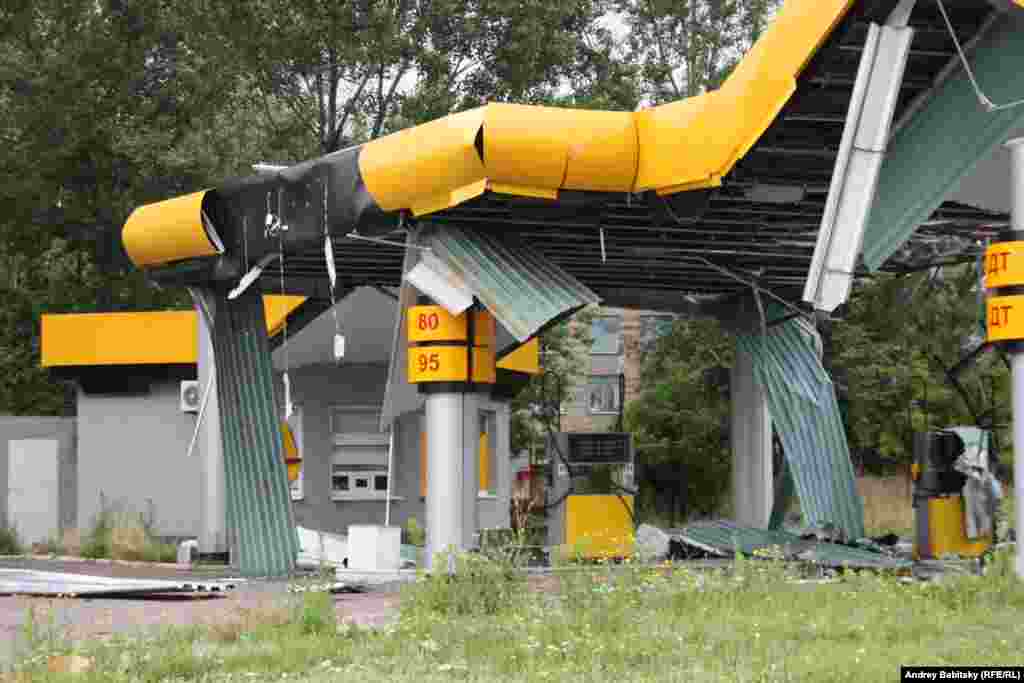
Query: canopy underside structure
688	203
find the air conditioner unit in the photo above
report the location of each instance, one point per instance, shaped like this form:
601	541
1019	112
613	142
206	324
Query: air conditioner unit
190	396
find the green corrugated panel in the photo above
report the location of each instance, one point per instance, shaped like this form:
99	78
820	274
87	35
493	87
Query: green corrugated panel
724	538
945	139
259	513
803	407
521	287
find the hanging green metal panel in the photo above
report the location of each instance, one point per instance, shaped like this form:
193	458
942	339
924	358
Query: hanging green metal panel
258	508
944	140
522	288
803	407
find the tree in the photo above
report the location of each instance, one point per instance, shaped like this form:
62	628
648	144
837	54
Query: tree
105	106
680	422
922	369
344	73
536	409
683	48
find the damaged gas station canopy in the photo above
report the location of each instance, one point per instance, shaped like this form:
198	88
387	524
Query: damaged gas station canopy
667	199
770	184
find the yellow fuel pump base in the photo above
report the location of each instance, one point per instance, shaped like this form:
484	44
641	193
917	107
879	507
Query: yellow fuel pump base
940	530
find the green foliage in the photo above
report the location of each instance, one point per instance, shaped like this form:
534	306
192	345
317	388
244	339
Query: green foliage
680	422
10	543
316	614
892	371
414	533
480	585
563	362
681	49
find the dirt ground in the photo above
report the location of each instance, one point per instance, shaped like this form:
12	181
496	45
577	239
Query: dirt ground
84	618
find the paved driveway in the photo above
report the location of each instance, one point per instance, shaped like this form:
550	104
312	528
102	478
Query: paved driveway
83	618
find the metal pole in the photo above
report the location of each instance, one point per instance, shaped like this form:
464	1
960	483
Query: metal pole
212	511
445	467
1017	354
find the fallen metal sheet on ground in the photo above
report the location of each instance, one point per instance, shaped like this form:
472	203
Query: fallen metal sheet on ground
52	584
724	538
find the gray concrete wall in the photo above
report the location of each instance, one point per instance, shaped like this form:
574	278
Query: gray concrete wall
63	431
316	389
132	449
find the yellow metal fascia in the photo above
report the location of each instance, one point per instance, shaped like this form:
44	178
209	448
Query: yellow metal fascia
526	146
525	358
137	338
523	190
686	143
167	231
153	337
420	168
277	308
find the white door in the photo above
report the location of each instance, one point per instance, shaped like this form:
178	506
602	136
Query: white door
33	488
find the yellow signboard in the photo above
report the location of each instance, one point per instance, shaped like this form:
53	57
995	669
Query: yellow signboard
1005	318
438	364
484	371
1004	265
434	323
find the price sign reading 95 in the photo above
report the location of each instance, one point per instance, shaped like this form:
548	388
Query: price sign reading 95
438	364
434	323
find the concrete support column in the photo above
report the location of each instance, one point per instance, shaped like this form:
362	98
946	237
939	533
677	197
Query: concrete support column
445	464
212	520
470	467
751	432
502	462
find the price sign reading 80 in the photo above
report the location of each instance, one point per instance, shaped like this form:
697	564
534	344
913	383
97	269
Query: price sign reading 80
433	323
428	321
428	362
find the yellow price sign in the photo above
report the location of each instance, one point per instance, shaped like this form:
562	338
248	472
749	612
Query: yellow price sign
1004	265
434	323
438	364
1005	318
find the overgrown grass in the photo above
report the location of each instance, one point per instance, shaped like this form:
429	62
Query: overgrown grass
10	543
122	535
759	621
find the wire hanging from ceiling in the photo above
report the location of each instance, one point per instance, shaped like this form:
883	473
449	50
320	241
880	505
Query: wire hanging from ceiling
988	104
332	276
288	407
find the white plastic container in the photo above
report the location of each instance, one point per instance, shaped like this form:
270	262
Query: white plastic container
374	548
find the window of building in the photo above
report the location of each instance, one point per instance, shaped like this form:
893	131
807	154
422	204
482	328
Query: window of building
603	394
606	334
359	461
358	484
